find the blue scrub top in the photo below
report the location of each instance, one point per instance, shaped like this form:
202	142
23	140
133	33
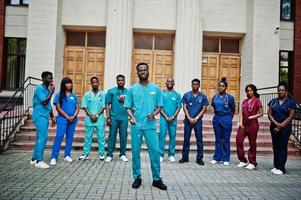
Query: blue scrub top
194	104
117	111
40	111
281	112
94	103
171	102
223	105
144	100
68	105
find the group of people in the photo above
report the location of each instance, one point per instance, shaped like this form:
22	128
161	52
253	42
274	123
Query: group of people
139	105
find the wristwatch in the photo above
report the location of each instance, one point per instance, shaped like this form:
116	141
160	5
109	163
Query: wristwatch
97	115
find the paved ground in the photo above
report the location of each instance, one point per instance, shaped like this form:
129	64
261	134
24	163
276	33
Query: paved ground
94	179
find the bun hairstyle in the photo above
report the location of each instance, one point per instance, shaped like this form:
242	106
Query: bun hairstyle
283	84
224	81
254	88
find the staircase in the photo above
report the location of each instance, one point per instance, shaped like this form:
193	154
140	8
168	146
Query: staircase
25	138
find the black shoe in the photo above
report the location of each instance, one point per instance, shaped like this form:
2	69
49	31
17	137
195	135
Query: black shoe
159	184
183	160
200	162
137	183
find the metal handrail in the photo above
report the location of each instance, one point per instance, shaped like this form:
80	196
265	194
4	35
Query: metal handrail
15	109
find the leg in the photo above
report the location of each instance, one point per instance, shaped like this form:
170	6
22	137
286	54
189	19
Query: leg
162	136
88	140
69	138
252	135
100	133
60	132
218	139
136	140
282	153
199	139
226	135
152	143
172	139
42	132
275	142
186	144
112	137
240	137
123	134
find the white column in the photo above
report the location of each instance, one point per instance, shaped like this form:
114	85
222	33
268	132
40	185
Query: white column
44	39
188	44
118	41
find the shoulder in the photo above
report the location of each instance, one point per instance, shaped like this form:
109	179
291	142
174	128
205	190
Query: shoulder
87	93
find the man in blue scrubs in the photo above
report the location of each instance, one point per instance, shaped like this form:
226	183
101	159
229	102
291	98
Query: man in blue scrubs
194	105
168	119
40	116
117	118
94	104
143	102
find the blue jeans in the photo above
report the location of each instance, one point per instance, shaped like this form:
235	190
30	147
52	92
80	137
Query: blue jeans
42	136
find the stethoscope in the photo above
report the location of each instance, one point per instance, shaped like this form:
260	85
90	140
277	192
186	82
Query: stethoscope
198	99
226	100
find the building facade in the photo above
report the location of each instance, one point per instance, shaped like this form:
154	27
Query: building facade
246	41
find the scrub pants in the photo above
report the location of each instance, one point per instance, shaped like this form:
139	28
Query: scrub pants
152	143
63	126
122	125
249	131
100	133
222	125
41	140
171	128
199	139
280	142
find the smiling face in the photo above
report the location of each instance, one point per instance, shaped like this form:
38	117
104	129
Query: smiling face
282	91
69	86
250	92
222	87
94	83
142	72
170	83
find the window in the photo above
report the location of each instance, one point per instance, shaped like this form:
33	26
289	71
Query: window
18	2
284	65
153	41
286	10
15	62
221	45
210	44
86	39
230	46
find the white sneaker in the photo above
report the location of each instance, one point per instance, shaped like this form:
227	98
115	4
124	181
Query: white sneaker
250	166
274	169
242	164
68	159
172	159
278	172
33	162
226	163
161	159
108	159
53	161
83	157
124	158
41	165
101	157
213	161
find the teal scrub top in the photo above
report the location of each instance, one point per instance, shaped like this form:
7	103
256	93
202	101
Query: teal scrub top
171	102
40	111
117	111
144	100
94	103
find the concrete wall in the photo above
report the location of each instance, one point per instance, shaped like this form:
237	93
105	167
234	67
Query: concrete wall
16	21
286	36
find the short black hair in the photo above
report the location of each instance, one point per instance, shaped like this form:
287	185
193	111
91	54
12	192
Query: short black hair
142	63
196	80
120	76
283	84
93	77
45	73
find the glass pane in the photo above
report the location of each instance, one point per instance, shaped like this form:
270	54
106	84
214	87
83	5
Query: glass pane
143	42
284	59
96	40
286	9
22	46
26	1
12	46
210	44
283	74
75	39
10	78
14	2
164	42
230	46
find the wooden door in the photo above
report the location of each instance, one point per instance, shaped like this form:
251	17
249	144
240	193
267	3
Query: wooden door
163	67
141	55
